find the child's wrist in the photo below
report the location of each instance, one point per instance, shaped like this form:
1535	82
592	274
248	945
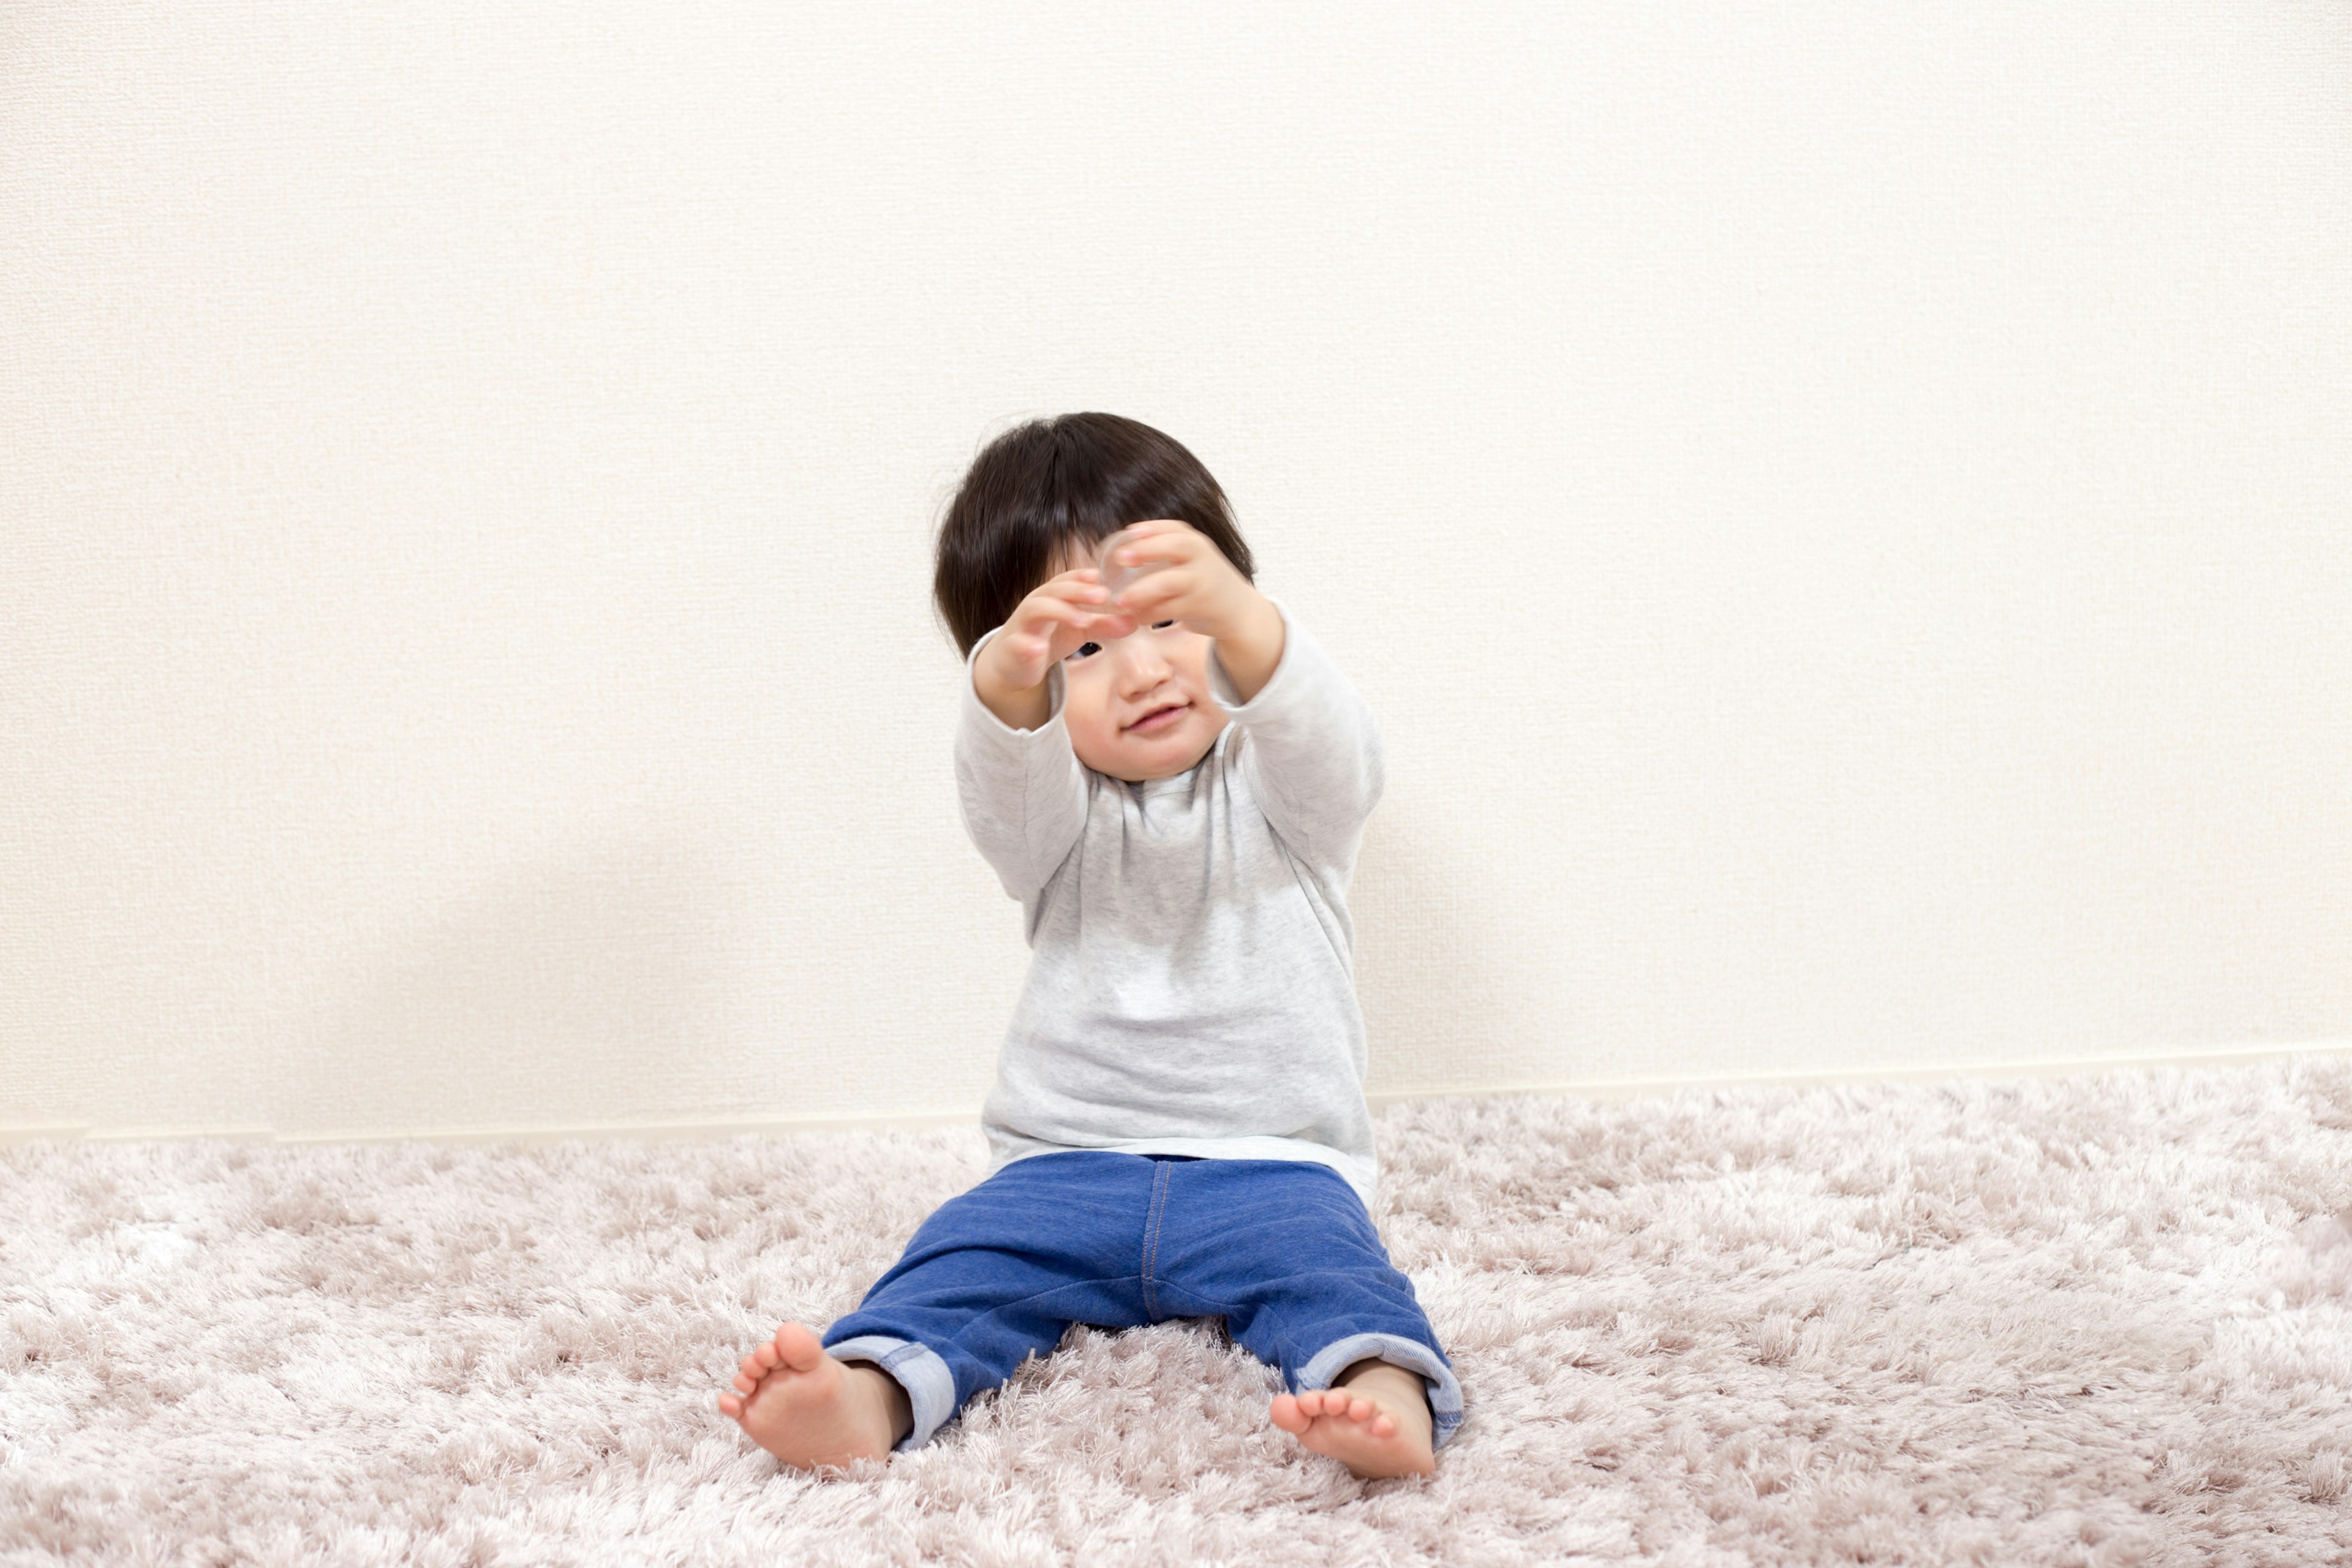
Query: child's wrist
1253	619
990	673
1250	645
1020	706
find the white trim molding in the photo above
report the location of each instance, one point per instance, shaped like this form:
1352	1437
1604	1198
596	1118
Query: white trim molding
776	1127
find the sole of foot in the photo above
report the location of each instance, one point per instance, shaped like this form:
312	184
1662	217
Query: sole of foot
806	1408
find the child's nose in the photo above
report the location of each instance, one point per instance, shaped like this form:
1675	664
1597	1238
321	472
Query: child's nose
1138	664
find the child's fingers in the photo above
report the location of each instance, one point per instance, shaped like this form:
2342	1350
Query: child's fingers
1064	602
1083	582
1147	527
1109	629
1162	542
1041	628
1161	588
1044	614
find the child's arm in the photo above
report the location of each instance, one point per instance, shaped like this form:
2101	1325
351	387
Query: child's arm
1314	759
1019	785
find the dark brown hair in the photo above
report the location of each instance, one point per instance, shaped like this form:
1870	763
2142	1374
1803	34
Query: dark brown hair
1075	480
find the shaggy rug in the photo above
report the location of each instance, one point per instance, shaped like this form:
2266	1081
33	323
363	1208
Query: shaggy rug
2095	1322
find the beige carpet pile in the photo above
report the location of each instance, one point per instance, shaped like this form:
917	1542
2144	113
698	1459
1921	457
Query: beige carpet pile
2097	1322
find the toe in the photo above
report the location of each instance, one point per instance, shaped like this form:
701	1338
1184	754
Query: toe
764	1355
1360	1409
1384	1425
730	1407
798	1347
1288	1416
746	1386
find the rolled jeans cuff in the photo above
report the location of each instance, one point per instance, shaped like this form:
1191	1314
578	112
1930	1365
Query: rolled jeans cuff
1445	1392
917	1369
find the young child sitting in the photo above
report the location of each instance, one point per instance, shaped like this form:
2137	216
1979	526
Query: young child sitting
1174	786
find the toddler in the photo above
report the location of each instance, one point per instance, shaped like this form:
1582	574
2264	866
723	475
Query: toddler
1173	783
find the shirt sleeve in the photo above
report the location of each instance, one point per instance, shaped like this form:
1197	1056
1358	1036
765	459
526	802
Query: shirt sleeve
1021	793
1313	757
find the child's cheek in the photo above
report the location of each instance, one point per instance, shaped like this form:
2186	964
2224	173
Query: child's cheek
1088	713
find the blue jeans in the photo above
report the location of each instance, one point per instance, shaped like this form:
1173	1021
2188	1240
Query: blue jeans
1281	1250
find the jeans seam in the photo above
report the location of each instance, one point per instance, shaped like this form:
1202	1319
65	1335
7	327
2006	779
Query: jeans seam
1152	1233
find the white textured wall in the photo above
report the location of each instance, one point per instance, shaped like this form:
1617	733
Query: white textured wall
1842	511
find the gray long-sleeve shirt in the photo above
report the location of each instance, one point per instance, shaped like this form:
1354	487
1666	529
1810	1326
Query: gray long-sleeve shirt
1191	981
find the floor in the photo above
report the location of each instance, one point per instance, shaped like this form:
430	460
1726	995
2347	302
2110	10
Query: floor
2098	1320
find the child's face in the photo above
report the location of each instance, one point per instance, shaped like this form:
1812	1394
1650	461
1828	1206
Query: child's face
1117	698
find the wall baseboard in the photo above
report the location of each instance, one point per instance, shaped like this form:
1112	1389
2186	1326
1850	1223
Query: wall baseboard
1993	1072
771	1127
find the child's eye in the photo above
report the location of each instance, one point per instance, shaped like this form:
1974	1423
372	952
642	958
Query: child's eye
1085	650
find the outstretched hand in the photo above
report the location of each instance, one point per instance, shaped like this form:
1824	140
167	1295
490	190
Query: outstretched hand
1059	614
1191	581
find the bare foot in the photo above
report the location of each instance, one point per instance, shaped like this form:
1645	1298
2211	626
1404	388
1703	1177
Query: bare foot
808	1409
1375	1420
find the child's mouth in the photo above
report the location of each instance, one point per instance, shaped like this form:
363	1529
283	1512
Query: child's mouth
1161	719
